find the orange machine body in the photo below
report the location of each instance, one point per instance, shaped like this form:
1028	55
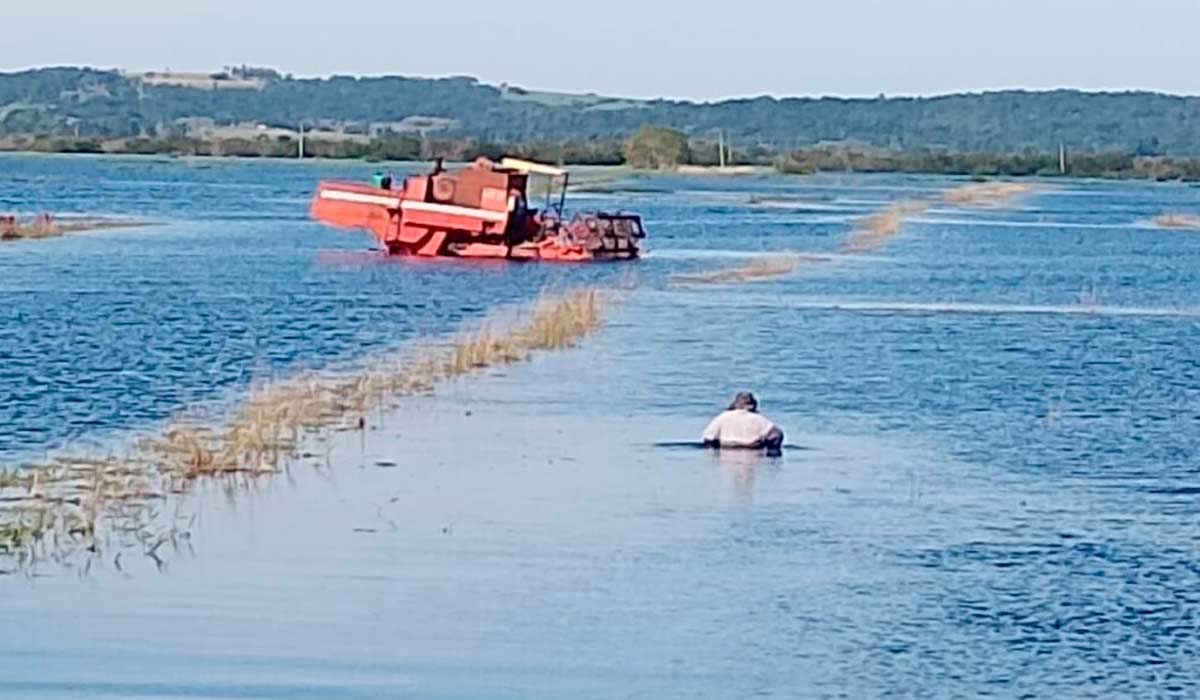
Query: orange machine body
480	211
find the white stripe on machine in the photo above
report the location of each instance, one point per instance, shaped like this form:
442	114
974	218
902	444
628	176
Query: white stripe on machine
485	214
393	202
359	198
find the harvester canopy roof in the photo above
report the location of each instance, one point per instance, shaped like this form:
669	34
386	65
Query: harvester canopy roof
529	166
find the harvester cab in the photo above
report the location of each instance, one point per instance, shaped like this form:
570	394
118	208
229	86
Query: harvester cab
555	181
479	211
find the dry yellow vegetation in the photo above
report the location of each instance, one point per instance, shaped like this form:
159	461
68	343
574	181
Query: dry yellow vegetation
876	229
73	505
758	269
46	226
1177	220
987	194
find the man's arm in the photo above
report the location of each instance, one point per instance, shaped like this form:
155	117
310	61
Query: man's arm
771	436
712	434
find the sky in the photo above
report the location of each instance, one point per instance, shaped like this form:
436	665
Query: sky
697	49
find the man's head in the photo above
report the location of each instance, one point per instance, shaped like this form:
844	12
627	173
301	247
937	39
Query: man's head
744	401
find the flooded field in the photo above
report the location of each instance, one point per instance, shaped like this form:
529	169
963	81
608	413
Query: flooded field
999	408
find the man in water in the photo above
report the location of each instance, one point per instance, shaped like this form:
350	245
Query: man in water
743	427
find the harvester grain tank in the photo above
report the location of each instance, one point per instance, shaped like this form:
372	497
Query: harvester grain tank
480	211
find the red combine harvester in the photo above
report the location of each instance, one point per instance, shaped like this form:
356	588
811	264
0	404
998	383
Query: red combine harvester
481	211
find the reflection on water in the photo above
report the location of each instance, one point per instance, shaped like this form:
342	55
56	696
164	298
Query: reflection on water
739	469
999	498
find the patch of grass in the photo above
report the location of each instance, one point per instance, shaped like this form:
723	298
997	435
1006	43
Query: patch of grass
790	201
23	531
560	323
876	229
77	504
47	226
14	478
756	270
1178	220
42	226
869	233
986	194
269	428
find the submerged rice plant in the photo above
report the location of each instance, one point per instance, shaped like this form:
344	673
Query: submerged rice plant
84	501
758	269
987	194
14	478
270	426
1178	220
876	229
13	228
25	529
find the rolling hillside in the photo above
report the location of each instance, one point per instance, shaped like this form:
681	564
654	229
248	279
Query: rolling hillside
88	103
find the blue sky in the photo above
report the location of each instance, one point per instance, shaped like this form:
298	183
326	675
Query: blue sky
646	48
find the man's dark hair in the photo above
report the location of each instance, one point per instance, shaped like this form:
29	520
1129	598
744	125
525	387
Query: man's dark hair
745	400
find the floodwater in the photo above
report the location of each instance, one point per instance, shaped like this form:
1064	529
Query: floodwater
998	495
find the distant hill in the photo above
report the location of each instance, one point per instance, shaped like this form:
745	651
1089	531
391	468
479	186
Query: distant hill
87	103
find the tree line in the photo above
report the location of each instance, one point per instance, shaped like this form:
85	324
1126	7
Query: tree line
1106	164
95	104
651	148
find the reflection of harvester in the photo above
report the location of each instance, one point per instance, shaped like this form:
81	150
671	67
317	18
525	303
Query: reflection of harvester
480	211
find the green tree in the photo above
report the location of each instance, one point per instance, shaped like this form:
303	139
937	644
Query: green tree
657	148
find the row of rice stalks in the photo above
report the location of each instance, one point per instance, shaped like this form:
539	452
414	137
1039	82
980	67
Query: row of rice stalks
756	270
987	194
869	233
270	427
55	509
876	229
77	504
42	226
12	228
1178	221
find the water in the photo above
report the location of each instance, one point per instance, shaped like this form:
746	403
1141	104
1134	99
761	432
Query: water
113	330
998	495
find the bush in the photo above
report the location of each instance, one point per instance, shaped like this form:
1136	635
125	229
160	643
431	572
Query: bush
657	148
